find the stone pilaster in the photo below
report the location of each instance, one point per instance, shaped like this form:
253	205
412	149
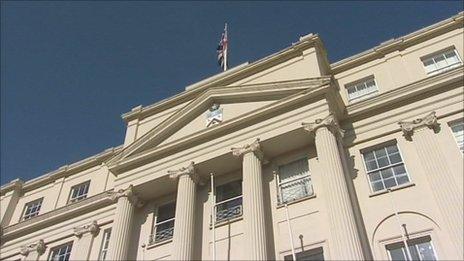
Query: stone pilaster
184	224
85	238
345	241
447	194
253	200
120	239
32	252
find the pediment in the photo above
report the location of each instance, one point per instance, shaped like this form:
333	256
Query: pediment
235	101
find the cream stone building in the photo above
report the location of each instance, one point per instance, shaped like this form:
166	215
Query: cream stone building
365	155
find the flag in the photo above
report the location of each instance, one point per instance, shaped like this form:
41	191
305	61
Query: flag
222	49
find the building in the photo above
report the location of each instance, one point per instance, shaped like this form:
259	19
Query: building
366	154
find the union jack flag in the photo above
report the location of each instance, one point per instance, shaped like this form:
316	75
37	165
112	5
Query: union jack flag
222	50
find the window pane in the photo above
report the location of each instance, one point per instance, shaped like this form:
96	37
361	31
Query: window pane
371	165
440	61
230	190
451	57
390	183
429	65
383	162
376	186
397	254
426	251
293	170
395	158
166	212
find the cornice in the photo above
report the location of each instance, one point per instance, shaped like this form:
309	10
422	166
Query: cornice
398	43
405	92
63	171
57	215
133	161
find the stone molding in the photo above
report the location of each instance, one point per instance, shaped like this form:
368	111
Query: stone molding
254	147
127	193
330	122
92	228
189	170
428	121
39	247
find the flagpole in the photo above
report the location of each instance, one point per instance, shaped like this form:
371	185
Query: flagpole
290	233
403	236
213	215
227	48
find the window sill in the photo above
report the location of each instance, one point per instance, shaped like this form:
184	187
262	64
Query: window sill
153	245
383	191
226	222
281	205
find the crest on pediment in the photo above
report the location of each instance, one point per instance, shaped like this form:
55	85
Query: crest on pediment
214	115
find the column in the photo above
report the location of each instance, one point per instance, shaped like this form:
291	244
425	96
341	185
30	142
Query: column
253	200
345	243
85	237
32	252
127	201
448	196
184	223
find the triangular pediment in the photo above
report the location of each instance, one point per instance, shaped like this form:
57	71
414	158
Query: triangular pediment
236	102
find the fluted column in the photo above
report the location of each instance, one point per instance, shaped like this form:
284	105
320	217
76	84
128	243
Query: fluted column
122	225
345	243
32	252
447	194
85	237
184	224
253	200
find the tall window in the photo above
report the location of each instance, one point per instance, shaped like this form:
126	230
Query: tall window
458	131
420	249
294	181
79	192
361	89
32	209
105	244
164	223
61	253
441	62
385	168
308	255
229	201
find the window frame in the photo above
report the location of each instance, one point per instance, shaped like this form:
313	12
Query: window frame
152	238
363	80
454	124
22	217
377	147
279	183
78	198
216	203
435	54
309	252
106	237
415	241
69	243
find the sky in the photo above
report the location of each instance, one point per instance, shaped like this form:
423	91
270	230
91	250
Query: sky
69	69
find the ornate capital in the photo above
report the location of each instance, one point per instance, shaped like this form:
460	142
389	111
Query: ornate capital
429	120
189	170
39	246
128	193
254	147
329	122
92	228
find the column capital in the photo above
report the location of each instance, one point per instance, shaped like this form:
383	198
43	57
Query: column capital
127	193
39	247
189	171
330	122
428	121
92	228
254	147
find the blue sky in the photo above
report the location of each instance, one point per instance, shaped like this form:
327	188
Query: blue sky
69	69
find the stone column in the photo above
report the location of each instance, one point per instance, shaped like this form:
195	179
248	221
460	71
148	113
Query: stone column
447	194
32	252
345	243
184	224
83	245
253	200
120	239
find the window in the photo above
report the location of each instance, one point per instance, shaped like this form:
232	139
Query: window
32	209
420	249
79	192
229	201
458	131
105	244
361	89
309	255
164	223
441	62
294	181
60	253
385	168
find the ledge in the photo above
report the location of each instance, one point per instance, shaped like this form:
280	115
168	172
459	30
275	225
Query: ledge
383	191
164	242
226	222
281	205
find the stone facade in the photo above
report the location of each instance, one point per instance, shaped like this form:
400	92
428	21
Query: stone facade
363	154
